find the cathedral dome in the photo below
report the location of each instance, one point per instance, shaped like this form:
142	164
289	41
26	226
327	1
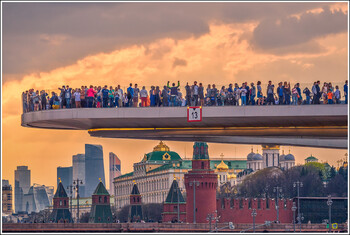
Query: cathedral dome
222	166
282	157
289	157
161	147
257	157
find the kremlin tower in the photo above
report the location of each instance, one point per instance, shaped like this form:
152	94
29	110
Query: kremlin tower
201	183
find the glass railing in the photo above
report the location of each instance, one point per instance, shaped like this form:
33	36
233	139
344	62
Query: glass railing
151	96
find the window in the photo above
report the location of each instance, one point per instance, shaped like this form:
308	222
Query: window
267	203
105	199
60	202
232	203
65	202
202	165
250	204
223	203
99	199
259	203
175	208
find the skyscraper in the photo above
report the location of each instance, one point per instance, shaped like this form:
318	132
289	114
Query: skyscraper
22	185
66	176
94	168
79	172
114	170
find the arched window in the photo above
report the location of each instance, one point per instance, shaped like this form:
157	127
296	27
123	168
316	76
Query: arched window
267	203
65	202
232	203
105	199
99	199
241	203
259	203
60	202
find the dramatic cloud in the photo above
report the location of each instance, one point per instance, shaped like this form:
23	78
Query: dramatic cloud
59	34
275	33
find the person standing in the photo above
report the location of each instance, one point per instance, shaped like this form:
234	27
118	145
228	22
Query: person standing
318	92
130	95
252	93
300	98
201	94
104	93
62	96
143	96
90	96
68	96
243	95
260	94
237	94
330	96
77	96
120	94
173	92
270	92
111	97
213	95
157	96
165	102
294	95
337	95
188	94
280	93
346	91
195	93
287	92
247	94
307	93
43	100
24	101
136	96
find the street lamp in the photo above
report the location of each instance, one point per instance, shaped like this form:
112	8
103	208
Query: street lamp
76	188
277	190
329	203
298	185
194	183
294	208
254	214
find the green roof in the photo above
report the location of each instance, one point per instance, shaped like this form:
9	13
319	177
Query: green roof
162	156
311	158
100	190
60	192
235	164
200	150
174	195
125	175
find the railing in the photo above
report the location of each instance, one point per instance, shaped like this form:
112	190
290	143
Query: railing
51	98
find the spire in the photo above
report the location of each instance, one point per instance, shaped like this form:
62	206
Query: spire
60	192
100	189
174	195
252	148
135	190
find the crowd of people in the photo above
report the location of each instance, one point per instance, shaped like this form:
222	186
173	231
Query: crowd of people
195	95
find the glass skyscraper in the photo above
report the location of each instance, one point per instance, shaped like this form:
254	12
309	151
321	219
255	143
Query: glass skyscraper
94	168
79	172
66	176
22	185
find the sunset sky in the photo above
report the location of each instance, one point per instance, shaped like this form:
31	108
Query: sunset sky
47	45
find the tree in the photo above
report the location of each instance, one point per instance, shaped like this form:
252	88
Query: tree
152	211
337	186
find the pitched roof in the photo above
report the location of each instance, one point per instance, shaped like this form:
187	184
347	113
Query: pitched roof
174	195
135	190
100	190
60	192
162	156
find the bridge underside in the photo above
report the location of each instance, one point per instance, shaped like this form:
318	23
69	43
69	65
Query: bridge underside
321	137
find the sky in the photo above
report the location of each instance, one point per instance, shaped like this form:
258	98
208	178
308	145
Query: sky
47	45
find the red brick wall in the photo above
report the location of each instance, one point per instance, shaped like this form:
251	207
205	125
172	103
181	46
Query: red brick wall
205	196
56	202
96	201
169	213
237	215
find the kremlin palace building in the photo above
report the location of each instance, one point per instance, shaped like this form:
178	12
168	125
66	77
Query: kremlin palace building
155	173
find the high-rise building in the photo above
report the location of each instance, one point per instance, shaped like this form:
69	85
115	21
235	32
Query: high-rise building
66	176
114	170
79	172
22	185
36	199
94	168
6	197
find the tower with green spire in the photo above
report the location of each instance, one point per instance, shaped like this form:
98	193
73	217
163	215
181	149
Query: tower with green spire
61	213
135	213
100	208
174	207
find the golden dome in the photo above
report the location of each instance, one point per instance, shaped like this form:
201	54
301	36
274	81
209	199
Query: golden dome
233	176
161	147
222	166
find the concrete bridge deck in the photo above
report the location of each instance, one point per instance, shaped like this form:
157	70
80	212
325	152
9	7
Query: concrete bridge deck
305	125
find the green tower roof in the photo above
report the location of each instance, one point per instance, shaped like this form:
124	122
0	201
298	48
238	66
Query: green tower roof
60	192
200	150
135	190
174	195
100	190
